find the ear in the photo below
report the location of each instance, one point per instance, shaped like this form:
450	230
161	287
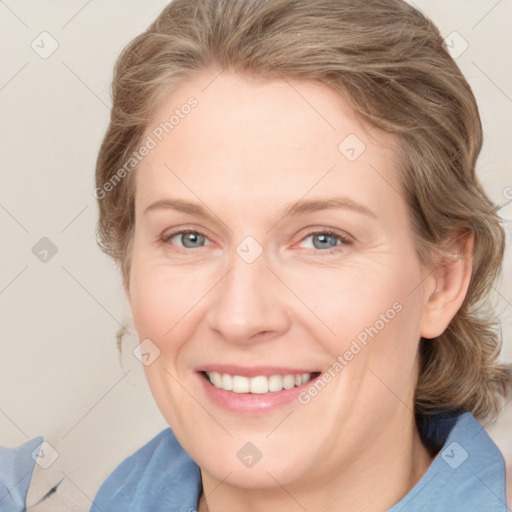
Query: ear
446	286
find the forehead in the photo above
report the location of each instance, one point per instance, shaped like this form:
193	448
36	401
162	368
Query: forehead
263	140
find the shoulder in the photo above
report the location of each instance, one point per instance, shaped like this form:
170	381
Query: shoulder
159	476
16	467
468	473
475	463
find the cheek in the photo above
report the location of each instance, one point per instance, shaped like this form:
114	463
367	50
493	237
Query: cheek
162	306
374	316
151	307
354	300
161	297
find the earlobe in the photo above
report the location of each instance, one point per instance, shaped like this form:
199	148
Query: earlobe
449	282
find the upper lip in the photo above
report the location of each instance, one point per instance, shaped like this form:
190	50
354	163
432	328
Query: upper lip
254	371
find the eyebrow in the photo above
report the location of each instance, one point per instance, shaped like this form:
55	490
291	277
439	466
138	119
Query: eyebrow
300	207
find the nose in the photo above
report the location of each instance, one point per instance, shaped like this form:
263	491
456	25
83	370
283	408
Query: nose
249	303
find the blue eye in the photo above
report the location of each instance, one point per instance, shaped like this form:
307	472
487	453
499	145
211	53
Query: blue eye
188	239
322	240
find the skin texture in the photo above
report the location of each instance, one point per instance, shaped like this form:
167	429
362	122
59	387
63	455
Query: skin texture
244	153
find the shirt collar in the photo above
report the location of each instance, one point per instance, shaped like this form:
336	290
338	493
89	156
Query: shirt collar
468	474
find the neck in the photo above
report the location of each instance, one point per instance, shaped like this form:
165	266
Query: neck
383	473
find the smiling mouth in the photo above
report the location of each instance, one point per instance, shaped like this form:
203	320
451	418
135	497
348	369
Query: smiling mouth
260	384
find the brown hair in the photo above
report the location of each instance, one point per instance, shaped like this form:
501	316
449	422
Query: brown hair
389	63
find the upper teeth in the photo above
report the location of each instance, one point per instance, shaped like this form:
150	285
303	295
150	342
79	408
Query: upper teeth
260	384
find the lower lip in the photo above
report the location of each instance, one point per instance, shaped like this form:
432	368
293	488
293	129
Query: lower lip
251	403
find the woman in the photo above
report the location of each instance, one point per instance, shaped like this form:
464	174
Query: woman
289	187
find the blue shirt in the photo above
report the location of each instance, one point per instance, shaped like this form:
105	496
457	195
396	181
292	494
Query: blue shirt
16	467
467	474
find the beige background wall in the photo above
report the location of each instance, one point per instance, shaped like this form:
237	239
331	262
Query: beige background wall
59	371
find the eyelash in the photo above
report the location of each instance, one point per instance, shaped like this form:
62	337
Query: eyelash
344	240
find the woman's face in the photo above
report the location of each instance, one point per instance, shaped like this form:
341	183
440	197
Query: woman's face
298	263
